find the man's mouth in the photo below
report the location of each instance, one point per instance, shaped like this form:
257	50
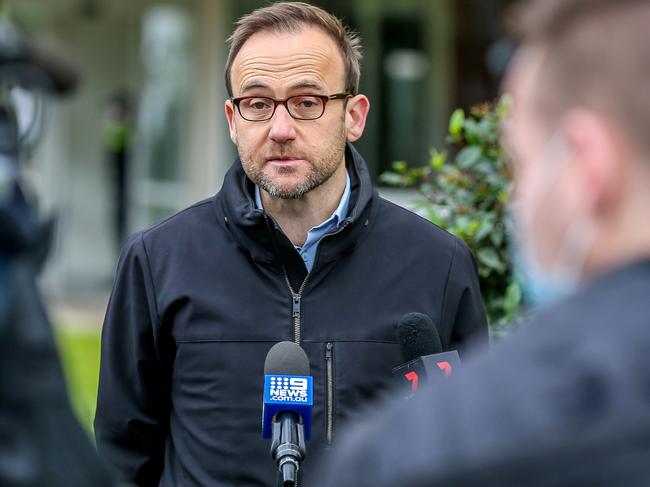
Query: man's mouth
283	160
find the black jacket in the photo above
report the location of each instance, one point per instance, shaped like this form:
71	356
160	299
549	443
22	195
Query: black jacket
564	402
201	297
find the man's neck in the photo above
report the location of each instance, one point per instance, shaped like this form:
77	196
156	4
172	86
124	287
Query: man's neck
624	233
297	216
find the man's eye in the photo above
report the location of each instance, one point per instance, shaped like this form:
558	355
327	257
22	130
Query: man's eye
259	104
306	103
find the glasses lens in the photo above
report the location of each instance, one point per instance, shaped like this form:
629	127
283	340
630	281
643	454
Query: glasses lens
305	107
256	108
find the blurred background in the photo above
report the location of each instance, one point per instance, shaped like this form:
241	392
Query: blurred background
145	134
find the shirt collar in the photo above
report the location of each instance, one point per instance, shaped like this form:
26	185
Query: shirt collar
339	214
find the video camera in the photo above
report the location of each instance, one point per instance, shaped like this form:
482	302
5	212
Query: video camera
30	72
41	441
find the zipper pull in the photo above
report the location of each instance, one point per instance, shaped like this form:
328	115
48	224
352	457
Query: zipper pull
296	305
328	351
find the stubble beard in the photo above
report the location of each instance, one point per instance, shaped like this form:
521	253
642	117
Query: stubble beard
321	169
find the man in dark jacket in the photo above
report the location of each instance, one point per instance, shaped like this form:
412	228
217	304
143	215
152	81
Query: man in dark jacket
566	401
296	246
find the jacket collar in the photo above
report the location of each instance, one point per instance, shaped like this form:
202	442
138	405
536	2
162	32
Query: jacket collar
252	228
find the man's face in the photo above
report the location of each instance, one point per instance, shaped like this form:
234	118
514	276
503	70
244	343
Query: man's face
284	156
544	175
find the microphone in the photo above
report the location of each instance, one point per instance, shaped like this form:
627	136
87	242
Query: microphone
286	411
422	351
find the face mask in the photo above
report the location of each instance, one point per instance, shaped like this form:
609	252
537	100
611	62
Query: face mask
543	287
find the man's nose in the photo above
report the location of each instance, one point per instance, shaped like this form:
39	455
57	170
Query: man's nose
282	125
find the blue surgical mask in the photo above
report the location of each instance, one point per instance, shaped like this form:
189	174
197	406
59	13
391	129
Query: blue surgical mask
544	287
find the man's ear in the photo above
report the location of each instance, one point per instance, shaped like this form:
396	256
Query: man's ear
355	117
230	116
599	150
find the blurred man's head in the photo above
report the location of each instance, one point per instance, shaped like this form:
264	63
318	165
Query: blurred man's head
579	133
292	50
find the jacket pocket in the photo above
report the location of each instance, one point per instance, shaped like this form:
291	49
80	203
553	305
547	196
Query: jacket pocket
357	375
329	392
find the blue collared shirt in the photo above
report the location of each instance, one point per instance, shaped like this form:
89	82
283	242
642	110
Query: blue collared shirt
308	249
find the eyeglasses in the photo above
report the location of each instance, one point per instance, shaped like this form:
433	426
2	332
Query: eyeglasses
300	107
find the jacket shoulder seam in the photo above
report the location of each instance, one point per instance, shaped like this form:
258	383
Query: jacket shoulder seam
150	278
419	217
175	215
449	272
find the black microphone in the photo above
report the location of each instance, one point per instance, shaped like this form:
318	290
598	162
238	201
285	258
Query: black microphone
286	412
418	336
422	351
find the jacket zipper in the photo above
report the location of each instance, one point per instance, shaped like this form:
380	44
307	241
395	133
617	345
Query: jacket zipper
296	312
296	297
330	392
297	332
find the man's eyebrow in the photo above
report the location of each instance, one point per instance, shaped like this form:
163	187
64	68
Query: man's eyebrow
299	85
310	85
254	85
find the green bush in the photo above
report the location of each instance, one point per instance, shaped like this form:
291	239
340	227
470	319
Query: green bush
467	196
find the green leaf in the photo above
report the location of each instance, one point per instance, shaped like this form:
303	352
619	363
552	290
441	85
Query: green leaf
416	175
484	166
504	107
487	225
456	123
468	157
489	257
392	179
503	197
400	167
472	132
497	237
512	299
434	217
473	227
438	159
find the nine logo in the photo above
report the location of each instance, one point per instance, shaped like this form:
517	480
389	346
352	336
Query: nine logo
283	388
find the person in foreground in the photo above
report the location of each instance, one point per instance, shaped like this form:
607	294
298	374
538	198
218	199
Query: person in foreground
566	400
296	246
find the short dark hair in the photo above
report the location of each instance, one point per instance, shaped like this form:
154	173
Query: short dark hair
597	55
291	17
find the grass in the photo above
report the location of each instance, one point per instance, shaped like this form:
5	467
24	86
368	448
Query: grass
80	348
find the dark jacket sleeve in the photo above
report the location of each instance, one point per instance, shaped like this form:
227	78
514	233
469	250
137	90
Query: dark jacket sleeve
132	404
463	305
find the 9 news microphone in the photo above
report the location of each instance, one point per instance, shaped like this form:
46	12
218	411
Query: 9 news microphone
422	351
286	412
